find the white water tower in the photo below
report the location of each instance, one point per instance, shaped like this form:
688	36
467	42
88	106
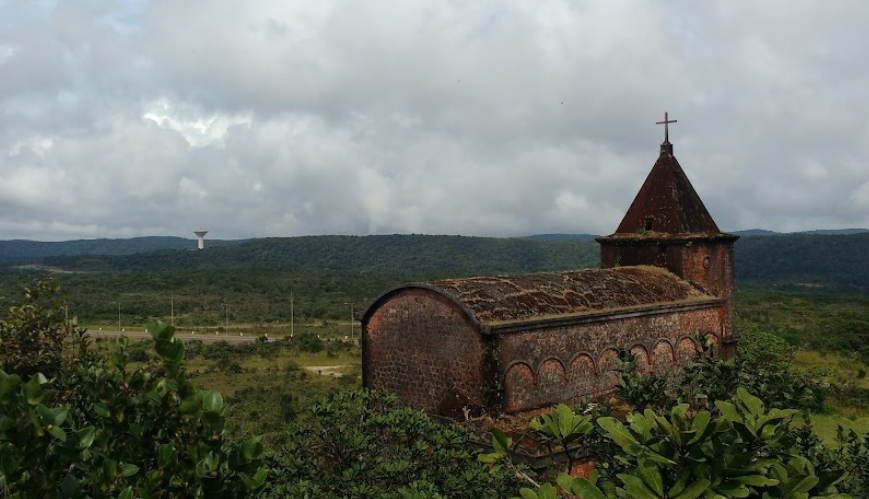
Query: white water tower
201	235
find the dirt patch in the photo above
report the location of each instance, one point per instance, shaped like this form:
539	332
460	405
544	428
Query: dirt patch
333	371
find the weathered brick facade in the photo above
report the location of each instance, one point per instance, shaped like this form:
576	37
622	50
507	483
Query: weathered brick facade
546	366
422	347
519	343
494	344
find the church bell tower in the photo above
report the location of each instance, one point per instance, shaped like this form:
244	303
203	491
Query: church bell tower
668	226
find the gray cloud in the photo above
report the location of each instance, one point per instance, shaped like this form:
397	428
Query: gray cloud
499	118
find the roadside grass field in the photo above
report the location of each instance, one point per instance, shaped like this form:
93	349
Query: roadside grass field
266	395
325	329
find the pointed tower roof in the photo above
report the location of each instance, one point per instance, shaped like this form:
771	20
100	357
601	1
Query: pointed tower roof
667	202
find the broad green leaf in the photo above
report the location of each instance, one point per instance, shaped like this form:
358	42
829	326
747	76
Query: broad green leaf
58	433
651	475
636	488
128	470
85	437
565	420
488	458
583	488
805	484
126	493
177	354
165	348
33	392
189	405
252	448
694	490
500	441
728	410
701	421
165	454
58	415
564	481
732	488
527	493
753	403
161	331
102	410
547	491
761	464
639	450
617	431
110	470
212	401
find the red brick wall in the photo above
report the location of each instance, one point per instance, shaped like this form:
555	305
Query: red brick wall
544	366
709	263
419	345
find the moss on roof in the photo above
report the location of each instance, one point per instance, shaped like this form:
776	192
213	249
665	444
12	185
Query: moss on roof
551	294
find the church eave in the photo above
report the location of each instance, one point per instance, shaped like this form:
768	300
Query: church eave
608	315
653	238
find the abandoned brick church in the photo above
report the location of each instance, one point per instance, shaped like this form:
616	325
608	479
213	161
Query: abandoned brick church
516	343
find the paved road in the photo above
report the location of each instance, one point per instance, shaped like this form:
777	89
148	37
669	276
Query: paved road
183	336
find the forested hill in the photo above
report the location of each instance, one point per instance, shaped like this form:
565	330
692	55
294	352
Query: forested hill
805	261
796	261
411	255
24	252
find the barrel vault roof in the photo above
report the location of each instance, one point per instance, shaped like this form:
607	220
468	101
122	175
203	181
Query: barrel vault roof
527	297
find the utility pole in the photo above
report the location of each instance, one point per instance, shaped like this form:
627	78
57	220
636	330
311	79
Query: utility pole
351	317
172	311
119	314
225	318
292	316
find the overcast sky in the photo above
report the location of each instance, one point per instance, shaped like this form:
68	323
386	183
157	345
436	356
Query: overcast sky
495	118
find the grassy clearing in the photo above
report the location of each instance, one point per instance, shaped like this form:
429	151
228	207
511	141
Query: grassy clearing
838	370
826	425
833	367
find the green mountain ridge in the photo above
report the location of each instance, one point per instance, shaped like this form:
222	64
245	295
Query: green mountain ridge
26	251
809	261
411	255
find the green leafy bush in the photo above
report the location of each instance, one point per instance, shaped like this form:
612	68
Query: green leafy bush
103	429
32	331
361	444
706	378
744	451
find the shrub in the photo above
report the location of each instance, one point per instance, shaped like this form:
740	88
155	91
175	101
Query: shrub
309	342
33	331
118	432
641	390
362	444
745	451
762	351
706	378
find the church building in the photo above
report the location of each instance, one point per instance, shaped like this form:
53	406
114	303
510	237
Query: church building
511	344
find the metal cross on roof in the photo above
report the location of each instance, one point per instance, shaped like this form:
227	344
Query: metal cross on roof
666	124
